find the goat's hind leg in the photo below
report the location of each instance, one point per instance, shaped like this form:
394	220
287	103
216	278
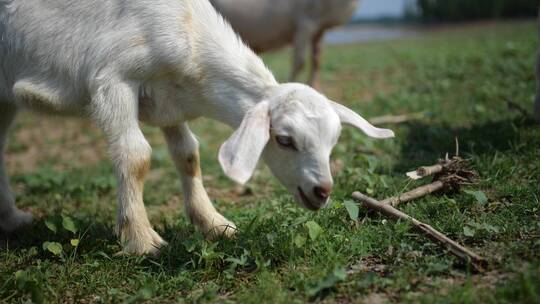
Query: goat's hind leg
11	218
304	34
316	49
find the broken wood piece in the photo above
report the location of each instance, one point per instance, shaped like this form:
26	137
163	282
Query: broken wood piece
425	171
452	171
414	194
449	174
396	119
455	248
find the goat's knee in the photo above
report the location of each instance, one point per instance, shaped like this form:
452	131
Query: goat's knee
191	164
135	163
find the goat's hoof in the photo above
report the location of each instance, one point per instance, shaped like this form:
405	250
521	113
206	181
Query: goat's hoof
16	220
143	243
221	228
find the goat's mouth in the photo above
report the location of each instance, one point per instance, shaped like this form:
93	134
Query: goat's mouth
307	203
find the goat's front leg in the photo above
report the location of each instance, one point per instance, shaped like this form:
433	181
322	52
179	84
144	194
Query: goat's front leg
115	110
184	150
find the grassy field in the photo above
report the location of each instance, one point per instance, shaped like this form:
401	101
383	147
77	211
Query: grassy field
284	254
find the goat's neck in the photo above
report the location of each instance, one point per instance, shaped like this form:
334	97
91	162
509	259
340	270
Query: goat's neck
233	82
230	99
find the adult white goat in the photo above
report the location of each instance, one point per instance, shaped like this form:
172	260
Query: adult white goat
164	63
270	24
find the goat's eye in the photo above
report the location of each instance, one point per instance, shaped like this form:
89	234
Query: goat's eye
285	142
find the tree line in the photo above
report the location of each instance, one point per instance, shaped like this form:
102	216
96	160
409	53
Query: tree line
462	10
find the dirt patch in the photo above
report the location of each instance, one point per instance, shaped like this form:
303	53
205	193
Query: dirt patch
368	264
377	80
375	298
443	285
57	141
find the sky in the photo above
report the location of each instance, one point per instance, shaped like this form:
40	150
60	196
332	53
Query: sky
369	9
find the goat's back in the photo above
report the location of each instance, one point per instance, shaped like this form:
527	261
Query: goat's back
76	42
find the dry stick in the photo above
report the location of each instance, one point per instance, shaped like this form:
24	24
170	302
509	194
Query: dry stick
425	171
461	252
414	194
430	170
452	166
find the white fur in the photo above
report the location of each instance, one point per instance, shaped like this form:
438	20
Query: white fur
270	24
163	62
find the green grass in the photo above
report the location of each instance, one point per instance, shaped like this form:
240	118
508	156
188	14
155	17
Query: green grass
284	254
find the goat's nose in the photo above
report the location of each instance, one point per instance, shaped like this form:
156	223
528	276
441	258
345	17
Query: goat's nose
322	192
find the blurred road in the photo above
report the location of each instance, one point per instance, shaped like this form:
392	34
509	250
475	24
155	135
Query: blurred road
367	32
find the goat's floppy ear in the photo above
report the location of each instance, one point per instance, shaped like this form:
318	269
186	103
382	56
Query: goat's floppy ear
238	156
347	116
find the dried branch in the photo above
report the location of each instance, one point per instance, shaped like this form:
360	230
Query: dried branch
448	169
458	250
414	194
449	174
425	171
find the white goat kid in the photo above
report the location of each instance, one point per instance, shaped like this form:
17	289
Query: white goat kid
164	63
267	25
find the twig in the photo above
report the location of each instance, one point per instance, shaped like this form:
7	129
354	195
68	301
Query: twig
458	250
414	194
446	168
449	174
396	119
425	171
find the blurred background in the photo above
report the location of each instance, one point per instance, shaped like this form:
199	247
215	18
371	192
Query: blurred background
443	10
387	19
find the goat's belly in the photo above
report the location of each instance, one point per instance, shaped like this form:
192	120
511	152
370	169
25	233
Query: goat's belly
47	97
